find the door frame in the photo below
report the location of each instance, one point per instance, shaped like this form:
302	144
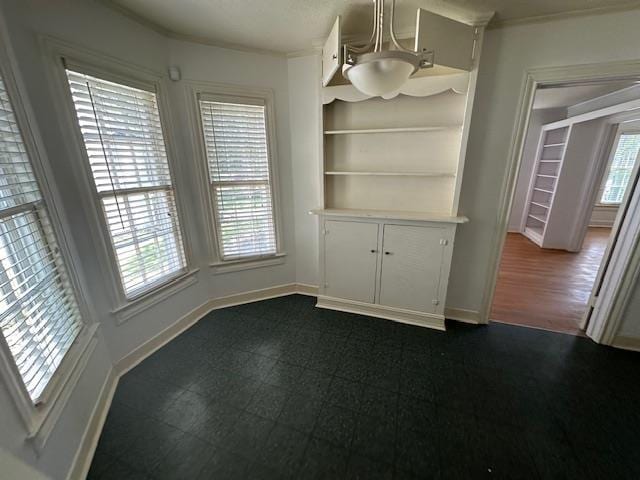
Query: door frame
620	287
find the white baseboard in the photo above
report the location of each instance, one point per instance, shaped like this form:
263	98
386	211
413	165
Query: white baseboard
90	438
305	289
462	315
84	455
626	343
380	311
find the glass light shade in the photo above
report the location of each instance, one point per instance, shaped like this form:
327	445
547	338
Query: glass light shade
379	73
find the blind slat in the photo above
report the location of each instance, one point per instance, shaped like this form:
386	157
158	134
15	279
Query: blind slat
621	168
235	138
125	145
39	316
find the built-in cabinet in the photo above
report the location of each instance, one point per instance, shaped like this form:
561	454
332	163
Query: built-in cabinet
391	176
563	177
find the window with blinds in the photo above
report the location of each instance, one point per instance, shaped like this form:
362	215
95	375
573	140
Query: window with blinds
238	159
125	146
39	316
621	168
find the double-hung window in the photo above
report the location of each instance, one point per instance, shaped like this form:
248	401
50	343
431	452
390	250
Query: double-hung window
125	147
39	314
620	168
238	154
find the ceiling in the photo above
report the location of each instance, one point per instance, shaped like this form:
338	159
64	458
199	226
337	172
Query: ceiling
572	95
286	26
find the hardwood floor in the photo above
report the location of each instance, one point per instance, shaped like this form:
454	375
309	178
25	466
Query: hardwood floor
544	288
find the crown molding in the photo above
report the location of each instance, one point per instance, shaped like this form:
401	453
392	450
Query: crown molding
455	13
168	33
563	15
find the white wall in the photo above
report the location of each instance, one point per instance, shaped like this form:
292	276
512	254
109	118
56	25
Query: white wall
537	120
304	105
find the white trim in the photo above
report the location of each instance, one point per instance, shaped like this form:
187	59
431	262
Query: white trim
550	17
49	415
40	420
193	90
89	441
150	346
306	289
157	295
626	343
410	317
88	444
113	69
229	266
462	315
168	33
532	79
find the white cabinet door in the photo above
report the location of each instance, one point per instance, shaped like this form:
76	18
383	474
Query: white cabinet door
351	252
331	57
450	41
411	267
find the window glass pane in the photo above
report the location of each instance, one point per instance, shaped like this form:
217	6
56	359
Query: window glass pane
235	137
144	235
125	145
39	316
621	168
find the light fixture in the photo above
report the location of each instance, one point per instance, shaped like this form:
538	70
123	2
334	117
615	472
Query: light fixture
375	71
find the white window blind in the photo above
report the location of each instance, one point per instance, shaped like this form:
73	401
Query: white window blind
235	137
39	315
125	145
621	167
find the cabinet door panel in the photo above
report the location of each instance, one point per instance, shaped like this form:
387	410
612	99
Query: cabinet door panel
351	260
411	267
451	41
331	54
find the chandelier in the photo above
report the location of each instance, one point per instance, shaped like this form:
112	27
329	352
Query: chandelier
375	71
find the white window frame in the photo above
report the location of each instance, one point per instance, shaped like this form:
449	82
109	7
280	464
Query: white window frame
61	55
627	128
39	420
195	91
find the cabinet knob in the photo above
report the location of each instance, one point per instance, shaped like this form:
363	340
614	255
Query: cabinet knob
373	251
387	253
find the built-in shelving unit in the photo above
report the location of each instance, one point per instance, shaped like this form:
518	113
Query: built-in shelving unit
401	154
388	214
355	131
551	150
396	174
391	177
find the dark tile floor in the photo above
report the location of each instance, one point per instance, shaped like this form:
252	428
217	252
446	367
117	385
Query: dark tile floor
280	389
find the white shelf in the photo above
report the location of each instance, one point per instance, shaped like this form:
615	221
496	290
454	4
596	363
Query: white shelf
535	217
544	175
540	205
543	190
393	174
550	161
389	214
391	130
554	145
534	234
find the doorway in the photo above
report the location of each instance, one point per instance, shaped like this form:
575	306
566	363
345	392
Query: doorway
579	162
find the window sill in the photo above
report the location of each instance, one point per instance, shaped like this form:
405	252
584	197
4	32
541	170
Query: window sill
608	205
230	266
138	305
46	416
